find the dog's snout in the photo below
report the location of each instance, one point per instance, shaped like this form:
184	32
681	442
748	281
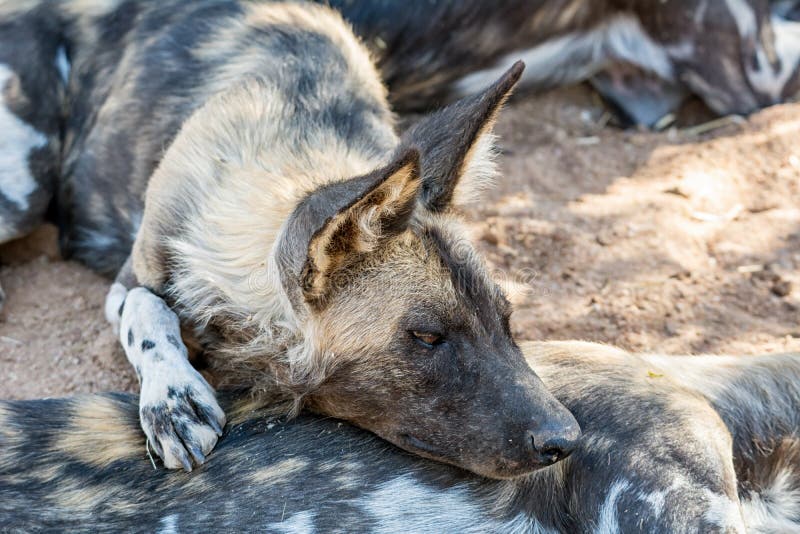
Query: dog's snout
551	444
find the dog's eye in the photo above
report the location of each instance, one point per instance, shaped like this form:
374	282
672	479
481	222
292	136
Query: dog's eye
427	338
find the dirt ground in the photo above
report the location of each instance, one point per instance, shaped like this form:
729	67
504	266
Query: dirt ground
680	241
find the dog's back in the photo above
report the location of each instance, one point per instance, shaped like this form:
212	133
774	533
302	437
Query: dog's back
654	458
140	69
81	464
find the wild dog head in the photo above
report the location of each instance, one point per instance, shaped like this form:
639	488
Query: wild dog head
405	331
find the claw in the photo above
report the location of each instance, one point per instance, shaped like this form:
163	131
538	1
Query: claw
156	447
213	423
197	454
177	450
206	413
180	452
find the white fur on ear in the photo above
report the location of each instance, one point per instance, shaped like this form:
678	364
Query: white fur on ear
516	292
480	171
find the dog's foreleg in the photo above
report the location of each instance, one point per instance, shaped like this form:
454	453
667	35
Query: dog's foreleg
178	410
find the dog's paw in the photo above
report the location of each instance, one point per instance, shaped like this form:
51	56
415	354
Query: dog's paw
180	415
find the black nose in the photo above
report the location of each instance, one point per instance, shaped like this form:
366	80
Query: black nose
551	445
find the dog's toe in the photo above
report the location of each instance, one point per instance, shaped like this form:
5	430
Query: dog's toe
183	427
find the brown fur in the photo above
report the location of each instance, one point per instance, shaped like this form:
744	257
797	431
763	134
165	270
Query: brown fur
96	418
304	243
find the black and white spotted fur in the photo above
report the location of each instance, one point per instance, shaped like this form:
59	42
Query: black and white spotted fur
671	444
645	56
94	92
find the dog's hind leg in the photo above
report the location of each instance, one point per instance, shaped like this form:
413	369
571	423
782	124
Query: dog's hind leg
33	68
758	398
178	410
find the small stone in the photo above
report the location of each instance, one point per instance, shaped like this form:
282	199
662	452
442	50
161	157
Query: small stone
781	288
604	239
677	191
671	329
681	275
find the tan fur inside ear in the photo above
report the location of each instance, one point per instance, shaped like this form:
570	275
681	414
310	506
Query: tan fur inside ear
359	228
479	170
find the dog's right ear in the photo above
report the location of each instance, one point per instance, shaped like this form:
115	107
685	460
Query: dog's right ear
456	144
339	222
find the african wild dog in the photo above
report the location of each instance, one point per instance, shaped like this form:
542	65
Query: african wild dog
258	235
672	444
643	56
311	252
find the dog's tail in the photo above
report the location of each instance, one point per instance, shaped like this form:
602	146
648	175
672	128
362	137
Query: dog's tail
758	398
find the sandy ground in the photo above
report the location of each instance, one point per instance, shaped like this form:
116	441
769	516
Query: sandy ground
677	241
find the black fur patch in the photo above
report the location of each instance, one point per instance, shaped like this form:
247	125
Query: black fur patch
174	342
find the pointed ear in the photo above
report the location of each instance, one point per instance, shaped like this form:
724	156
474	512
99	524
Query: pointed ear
455	143
338	223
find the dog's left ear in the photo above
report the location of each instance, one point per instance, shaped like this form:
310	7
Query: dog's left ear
456	144
338	223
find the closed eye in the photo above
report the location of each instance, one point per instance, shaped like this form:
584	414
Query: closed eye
428	339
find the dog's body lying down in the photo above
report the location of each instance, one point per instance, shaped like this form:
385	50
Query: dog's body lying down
301	242
643	56
671	444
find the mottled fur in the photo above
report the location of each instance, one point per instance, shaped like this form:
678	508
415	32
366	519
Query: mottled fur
663	452
307	247
643	56
427	54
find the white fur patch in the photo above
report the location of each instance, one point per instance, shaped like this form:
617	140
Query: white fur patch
168	524
626	40
404	505
764	78
16	142
62	64
744	16
299	523
774	509
787	48
576	56
657	499
608	522
724	513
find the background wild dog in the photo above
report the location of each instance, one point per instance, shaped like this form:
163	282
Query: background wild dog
673	444
310	250
643	56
